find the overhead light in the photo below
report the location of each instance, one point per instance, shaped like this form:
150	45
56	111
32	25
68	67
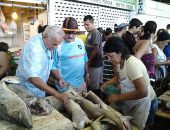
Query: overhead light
14	15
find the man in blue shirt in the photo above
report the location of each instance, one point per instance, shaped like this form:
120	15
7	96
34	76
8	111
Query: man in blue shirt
36	62
71	58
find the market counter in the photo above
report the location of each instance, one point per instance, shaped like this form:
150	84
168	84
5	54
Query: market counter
162	110
89	128
54	121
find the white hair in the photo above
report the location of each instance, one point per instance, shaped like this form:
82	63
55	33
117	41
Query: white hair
53	31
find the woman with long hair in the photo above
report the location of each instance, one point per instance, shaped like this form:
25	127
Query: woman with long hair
143	50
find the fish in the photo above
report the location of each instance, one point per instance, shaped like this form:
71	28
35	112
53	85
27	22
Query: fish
13	108
92	110
55	103
40	107
37	106
95	99
111	115
96	125
94	107
120	121
79	117
71	93
22	92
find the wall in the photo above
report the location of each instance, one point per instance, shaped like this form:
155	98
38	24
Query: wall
151	10
104	16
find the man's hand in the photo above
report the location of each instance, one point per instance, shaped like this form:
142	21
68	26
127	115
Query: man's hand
63	97
62	83
87	80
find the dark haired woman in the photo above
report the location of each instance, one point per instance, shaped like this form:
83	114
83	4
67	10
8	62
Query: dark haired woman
4	59
138	96
160	59
143	50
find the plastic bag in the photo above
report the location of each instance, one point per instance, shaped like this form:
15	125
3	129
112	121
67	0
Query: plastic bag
2	17
3	25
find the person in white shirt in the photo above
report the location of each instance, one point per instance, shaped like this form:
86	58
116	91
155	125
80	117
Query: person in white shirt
160	59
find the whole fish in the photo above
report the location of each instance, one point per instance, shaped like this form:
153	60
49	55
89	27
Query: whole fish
37	106
13	108
92	110
122	122
95	99
96	125
95	107
79	117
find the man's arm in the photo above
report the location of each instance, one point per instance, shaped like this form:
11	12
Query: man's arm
44	87
56	75
87	78
96	42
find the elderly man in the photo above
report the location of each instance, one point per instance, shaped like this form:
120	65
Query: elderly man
36	62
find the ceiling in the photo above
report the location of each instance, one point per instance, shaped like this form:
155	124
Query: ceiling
163	1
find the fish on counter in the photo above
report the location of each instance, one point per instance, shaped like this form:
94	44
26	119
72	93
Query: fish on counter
13	108
110	113
96	125
79	117
94	107
37	106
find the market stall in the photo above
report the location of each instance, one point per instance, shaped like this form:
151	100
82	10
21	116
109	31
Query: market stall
20	20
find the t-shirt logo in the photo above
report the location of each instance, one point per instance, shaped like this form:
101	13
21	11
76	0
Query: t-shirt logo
79	46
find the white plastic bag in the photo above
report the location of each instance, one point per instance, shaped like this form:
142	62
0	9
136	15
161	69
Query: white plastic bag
2	17
3	25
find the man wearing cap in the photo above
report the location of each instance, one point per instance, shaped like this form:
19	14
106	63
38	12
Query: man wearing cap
94	51
120	27
71	58
128	37
36	62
